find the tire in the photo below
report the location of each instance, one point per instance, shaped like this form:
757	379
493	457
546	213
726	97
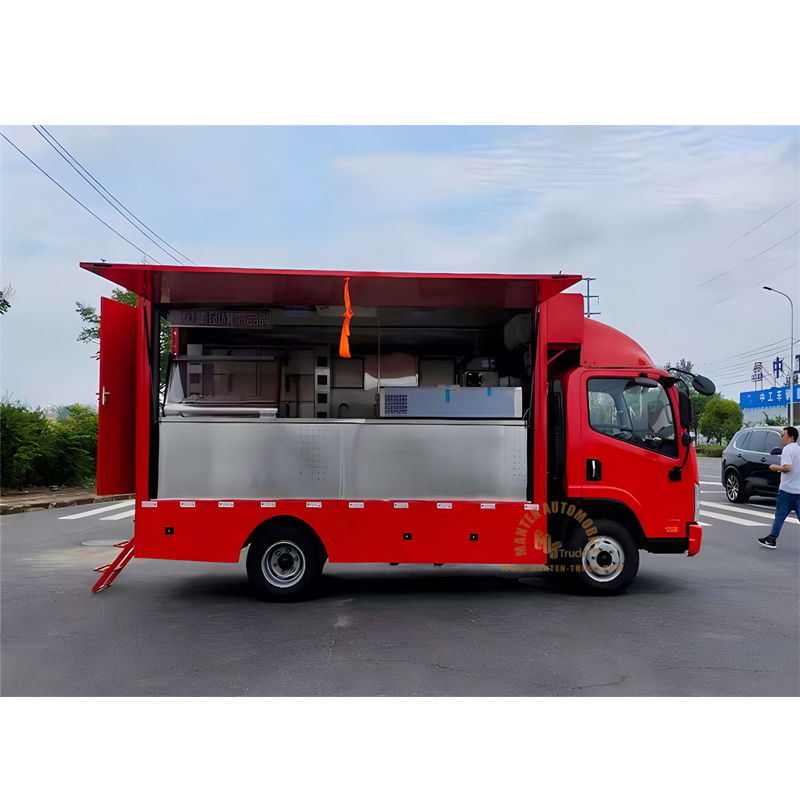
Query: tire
604	563
734	490
285	563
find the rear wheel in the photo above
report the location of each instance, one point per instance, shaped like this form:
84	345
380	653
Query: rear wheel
734	489
284	563
604	563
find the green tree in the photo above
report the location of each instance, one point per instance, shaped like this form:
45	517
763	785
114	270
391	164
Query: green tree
699	404
777	420
35	451
721	419
5	305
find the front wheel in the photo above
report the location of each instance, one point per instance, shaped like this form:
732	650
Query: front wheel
604	563
284	564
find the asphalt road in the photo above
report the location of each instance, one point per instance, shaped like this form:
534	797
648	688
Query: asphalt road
723	623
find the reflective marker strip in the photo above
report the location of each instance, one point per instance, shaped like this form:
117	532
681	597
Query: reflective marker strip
356	505
401	505
487	505
268	504
225	504
531	506
444	505
314	505
187	503
149	503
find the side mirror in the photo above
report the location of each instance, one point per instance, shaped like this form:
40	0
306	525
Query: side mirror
686	438
776	451
703	385
685	410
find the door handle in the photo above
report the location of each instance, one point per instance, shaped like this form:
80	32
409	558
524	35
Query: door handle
594	469
103	397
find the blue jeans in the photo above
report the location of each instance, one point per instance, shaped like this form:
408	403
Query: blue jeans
786	502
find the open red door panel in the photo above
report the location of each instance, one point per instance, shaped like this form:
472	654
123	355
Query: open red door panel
116	398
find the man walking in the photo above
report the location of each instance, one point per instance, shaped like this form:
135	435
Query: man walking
789	490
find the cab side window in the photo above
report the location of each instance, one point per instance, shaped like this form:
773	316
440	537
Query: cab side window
639	415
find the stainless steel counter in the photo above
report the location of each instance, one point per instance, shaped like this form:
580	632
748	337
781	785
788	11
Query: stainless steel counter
342	459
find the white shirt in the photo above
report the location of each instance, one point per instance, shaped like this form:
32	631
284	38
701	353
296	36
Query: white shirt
790	481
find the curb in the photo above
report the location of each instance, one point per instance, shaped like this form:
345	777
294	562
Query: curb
39	505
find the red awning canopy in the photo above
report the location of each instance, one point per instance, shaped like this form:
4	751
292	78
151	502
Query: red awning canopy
165	285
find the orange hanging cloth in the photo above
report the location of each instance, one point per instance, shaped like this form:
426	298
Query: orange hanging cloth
344	341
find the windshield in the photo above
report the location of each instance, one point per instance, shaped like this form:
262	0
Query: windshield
639	415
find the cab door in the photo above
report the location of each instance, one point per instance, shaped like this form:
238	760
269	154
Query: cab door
116	398
628	446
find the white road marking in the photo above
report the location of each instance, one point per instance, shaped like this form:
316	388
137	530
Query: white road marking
710	483
736	521
123	515
750	511
100	510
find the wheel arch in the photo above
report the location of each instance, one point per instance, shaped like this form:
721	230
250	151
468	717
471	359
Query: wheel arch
598	509
283	521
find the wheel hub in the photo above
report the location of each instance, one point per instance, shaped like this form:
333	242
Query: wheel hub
603	559
285	561
283	564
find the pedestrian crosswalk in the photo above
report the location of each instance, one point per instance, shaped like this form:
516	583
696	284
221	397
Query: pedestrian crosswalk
105	510
739	514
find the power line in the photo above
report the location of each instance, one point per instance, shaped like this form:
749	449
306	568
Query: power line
763	223
79	168
779	343
76	199
733	269
773	246
731	369
770	277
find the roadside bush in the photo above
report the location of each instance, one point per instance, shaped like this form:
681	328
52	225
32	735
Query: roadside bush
710	450
35	451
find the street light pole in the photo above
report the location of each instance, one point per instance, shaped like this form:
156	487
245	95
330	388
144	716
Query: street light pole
791	355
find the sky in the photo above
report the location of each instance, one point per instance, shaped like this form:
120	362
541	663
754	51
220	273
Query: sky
680	226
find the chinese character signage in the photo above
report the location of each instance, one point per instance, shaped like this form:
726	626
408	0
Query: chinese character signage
220	318
768	397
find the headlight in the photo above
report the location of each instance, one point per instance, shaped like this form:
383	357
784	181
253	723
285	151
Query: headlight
696	502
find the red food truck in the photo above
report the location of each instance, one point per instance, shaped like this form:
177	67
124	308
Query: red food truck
314	416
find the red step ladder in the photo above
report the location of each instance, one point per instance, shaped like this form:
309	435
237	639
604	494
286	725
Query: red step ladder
110	571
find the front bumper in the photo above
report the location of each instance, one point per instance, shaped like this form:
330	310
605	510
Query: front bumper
695	532
690	543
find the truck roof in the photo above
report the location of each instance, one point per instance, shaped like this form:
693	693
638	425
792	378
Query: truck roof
169	285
